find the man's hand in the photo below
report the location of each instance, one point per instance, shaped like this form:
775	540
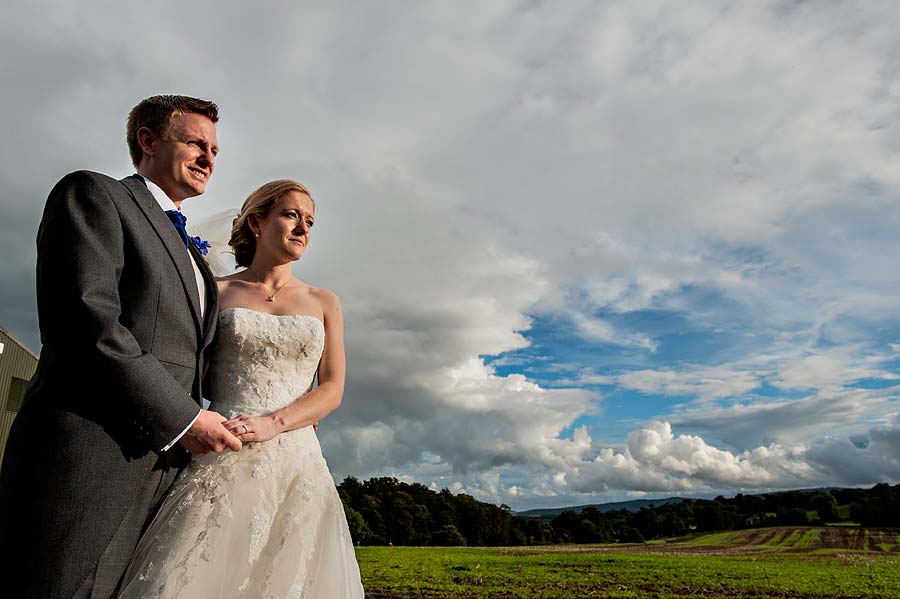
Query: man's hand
208	433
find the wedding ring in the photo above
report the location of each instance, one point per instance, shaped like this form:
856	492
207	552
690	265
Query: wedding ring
246	430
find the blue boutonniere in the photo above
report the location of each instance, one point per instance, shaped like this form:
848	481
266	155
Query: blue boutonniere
201	244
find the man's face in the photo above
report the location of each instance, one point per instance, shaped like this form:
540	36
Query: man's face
184	156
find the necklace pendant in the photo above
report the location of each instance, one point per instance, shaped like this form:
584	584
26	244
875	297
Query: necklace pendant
271	298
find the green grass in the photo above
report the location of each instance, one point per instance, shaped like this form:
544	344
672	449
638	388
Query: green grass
807	539
717	539
801	538
706	566
479	573
786	540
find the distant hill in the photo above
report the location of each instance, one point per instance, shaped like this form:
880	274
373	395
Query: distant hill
634	505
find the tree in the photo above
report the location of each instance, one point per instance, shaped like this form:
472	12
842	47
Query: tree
792	516
448	536
585	532
537	532
825	505
708	516
880	506
370	509
472	520
629	534
359	530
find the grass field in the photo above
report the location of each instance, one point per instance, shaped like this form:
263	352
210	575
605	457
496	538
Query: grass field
771	562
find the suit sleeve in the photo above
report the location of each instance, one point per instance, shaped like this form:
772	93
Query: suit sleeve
81	254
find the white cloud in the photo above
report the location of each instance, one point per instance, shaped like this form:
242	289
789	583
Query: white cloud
848	463
823	370
657	460
830	411
705	383
597	329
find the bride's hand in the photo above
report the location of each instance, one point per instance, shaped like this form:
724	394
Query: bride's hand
252	429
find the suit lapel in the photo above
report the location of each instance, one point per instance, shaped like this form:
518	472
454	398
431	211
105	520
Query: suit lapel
212	296
171	240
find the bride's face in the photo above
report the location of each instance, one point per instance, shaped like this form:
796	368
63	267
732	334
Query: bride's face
284	232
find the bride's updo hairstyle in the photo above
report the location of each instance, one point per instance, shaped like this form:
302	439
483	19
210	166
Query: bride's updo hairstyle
259	203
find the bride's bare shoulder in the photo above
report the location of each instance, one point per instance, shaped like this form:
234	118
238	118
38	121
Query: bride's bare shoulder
227	281
328	301
323	295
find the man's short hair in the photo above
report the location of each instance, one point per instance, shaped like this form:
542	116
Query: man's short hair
156	114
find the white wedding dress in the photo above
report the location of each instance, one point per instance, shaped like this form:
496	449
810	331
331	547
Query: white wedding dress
266	522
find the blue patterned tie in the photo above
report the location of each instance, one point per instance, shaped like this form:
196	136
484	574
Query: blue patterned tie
178	219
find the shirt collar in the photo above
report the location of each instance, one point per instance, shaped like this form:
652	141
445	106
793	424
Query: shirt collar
159	195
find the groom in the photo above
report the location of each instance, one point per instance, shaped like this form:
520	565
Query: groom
126	307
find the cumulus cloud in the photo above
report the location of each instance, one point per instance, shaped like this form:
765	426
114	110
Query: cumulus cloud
875	459
471	420
657	460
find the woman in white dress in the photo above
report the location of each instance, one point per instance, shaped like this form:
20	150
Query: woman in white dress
266	522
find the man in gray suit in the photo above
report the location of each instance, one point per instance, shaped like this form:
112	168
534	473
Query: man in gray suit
126	307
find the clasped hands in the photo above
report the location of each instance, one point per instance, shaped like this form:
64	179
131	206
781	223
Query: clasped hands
212	432
209	434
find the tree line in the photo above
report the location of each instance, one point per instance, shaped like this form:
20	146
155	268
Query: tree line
387	511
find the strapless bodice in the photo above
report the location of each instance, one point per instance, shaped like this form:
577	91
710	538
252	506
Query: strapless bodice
262	362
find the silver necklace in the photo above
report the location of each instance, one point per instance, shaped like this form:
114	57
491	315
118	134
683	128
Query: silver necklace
270	296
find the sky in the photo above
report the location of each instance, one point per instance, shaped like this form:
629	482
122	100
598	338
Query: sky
586	251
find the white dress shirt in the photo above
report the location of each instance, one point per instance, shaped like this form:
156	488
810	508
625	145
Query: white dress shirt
166	203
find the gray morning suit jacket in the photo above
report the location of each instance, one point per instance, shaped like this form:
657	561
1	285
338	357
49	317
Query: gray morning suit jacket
118	379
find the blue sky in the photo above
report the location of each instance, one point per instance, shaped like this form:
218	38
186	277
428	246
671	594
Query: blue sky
587	251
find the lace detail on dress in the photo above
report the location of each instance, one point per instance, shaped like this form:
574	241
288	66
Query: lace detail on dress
263	362
266	522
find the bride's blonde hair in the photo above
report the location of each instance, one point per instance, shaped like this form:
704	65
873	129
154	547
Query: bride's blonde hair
259	203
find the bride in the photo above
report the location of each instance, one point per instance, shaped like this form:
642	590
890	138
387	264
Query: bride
266	522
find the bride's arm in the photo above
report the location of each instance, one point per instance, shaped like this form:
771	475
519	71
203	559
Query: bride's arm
326	397
318	403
